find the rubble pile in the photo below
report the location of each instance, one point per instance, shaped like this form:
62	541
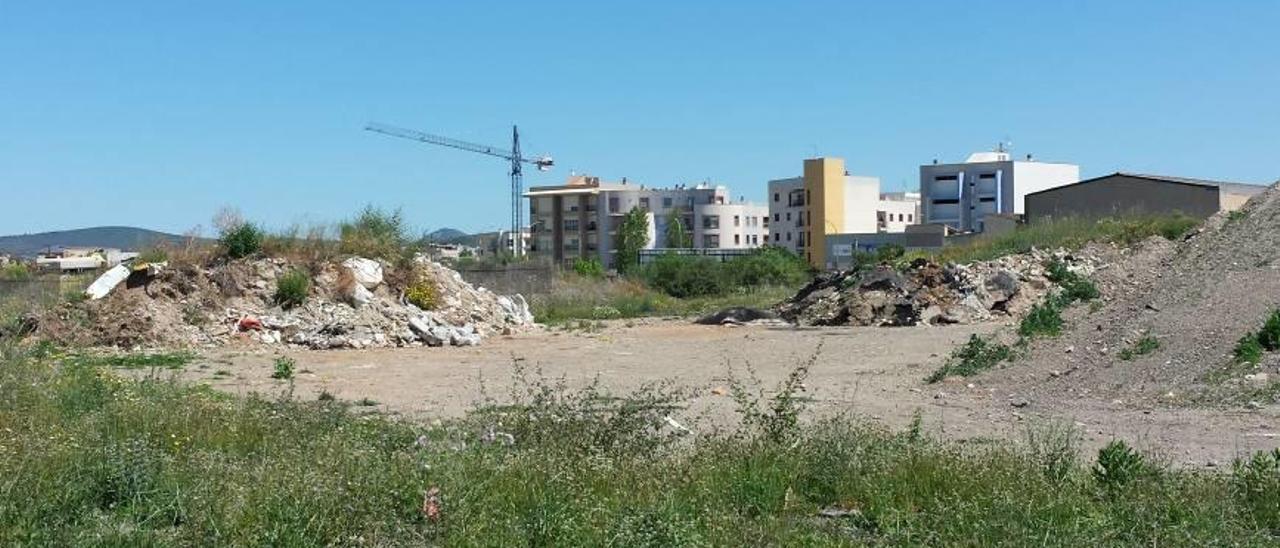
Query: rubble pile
349	305
929	293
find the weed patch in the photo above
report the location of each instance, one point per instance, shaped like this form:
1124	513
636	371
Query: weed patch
1143	346
165	360
292	288
282	368
975	356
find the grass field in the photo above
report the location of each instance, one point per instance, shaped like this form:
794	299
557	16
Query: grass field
88	458
1068	233
578	298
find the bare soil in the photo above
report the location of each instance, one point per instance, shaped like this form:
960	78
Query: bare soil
866	371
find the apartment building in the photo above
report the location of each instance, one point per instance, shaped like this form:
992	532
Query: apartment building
962	195
828	200
580	218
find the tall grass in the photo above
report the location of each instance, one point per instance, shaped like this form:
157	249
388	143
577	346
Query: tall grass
1069	233
577	298
89	458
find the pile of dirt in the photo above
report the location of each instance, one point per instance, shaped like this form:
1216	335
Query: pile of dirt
1196	298
349	305
929	293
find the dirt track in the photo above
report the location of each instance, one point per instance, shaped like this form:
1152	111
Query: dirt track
872	372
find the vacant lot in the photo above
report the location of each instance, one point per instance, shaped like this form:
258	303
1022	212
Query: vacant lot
871	372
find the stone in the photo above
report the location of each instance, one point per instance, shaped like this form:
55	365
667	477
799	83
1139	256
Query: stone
367	272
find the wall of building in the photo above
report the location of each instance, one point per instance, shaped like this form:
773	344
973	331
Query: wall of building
1121	195
895	215
737	226
786	213
824	185
861	201
962	195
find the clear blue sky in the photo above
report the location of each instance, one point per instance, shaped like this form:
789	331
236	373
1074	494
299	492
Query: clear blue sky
156	114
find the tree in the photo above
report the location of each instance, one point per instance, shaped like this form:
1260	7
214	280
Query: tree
633	235
678	236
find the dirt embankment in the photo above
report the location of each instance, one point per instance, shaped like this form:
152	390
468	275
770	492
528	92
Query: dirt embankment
1196	298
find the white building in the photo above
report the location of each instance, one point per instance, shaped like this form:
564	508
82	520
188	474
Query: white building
581	217
987	183
866	210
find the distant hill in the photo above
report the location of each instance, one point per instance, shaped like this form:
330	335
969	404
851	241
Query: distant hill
122	237
446	235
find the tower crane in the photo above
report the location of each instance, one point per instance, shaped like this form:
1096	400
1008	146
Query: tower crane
542	163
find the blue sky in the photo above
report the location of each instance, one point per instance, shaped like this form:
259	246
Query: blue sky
156	114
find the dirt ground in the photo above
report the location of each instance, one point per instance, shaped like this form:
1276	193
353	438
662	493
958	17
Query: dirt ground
867	371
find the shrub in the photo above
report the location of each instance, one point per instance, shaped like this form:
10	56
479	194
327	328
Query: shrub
890	252
633	235
1118	465
685	277
241	240
423	293
283	368
1143	346
292	288
769	265
1256	485
975	356
374	233
590	268
15	272
154	254
1269	335
1044	319
1074	286
1248	349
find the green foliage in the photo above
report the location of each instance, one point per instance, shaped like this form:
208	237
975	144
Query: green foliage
424	294
1074	286
1269	335
975	356
1071	234
890	252
1143	346
1237	215
590	268
1043	320
15	272
1256	485
92	458
241	240
154	254
292	288
375	234
1118	465
1248	349
774	418
282	368
678	235
633	235
162	360
574	297
684	276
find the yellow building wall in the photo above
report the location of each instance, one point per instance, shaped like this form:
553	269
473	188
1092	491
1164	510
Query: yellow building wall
824	206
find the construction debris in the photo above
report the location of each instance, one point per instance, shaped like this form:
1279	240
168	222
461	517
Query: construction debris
928	293
195	305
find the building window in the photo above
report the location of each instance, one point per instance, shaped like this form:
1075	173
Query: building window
788	236
911	218
737	221
776	196
666	202
947	178
737	239
710	241
571	224
644	203
710	221
788	215
796	198
766	221
777	217
946	201
613	204
987	176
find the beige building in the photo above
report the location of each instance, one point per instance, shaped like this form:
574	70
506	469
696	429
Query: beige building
828	200
1138	194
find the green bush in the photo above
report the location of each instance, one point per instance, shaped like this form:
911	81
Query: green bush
1256	485
1118	465
1269	335
283	368
1143	346
769	265
241	240
15	272
1043	320
375	234
1074	286
975	356
292	288
1248	349
423	294
684	277
590	268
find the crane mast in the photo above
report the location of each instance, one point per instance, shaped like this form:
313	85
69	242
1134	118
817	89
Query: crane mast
542	163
